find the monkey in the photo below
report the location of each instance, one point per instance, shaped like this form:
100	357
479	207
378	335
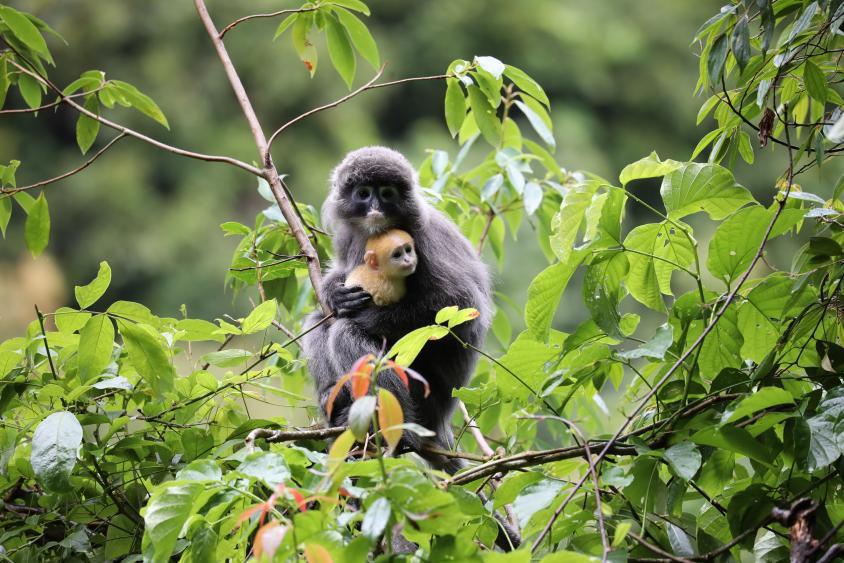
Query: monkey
388	260
372	190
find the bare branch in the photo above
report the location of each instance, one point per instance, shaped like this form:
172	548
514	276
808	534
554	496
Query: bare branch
269	171
8	192
239	21
45	106
656	549
333	104
132	133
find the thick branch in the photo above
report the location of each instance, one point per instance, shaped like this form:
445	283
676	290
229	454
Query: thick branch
269	171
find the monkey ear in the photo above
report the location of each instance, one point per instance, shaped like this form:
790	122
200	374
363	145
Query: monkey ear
370	259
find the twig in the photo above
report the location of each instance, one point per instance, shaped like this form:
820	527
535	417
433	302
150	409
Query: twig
239	21
8	192
45	106
656	549
330	105
269	171
46	344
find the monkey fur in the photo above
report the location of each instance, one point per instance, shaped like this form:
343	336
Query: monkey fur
388	260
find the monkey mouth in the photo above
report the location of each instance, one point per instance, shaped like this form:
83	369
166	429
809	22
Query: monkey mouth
375	223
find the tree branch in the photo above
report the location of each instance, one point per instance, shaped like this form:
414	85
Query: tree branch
132	133
269	171
239	21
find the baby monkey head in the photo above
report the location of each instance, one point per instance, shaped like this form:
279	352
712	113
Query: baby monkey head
391	253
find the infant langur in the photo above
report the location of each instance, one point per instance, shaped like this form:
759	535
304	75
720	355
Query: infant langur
389	259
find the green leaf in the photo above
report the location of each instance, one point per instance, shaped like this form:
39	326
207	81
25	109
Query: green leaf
409	345
815	81
532	197
4	81
376	518
87	295
141	102
37	227
285	23
360	416
740	42
567	222
537	123
492	65
455	106
527	357
760	314
200	470
734	439
303	45
823	449
544	295
148	357
86	127
716	59
526	84
602	291
649	167
260	318
25	30
166	513
722	346
656	347
485	115
5	214
54	445
227	358
95	345
660	249
736	240
759	400
360	36
340	49
355	5
30	90
534	498
267	467
203	544
684	460
702	187
745	147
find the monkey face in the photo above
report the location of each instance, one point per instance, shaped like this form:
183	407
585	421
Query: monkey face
402	260
374	190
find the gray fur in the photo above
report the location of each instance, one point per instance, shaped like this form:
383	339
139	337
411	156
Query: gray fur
449	273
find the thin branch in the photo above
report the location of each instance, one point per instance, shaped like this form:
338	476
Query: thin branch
330	105
46	106
46	344
132	133
239	21
8	192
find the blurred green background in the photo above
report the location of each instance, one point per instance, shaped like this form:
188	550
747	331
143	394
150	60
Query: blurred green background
620	74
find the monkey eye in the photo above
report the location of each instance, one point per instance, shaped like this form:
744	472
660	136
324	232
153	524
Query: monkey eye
397	253
408	249
363	192
388	193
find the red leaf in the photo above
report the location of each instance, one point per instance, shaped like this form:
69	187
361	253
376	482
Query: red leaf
329	404
400	372
249	512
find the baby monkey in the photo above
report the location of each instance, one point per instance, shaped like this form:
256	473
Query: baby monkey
389	259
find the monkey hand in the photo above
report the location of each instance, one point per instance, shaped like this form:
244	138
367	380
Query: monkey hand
346	301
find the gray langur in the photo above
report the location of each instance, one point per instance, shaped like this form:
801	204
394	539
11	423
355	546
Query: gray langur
373	190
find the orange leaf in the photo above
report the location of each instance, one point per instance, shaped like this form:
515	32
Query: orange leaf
400	372
268	539
300	500
360	384
390	415
329	404
362	363
315	553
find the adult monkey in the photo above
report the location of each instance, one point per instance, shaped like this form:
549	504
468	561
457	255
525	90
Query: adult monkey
372	190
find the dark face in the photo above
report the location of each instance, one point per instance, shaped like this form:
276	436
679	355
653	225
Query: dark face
375	207
374	191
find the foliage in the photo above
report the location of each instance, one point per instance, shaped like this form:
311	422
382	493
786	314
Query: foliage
119	440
